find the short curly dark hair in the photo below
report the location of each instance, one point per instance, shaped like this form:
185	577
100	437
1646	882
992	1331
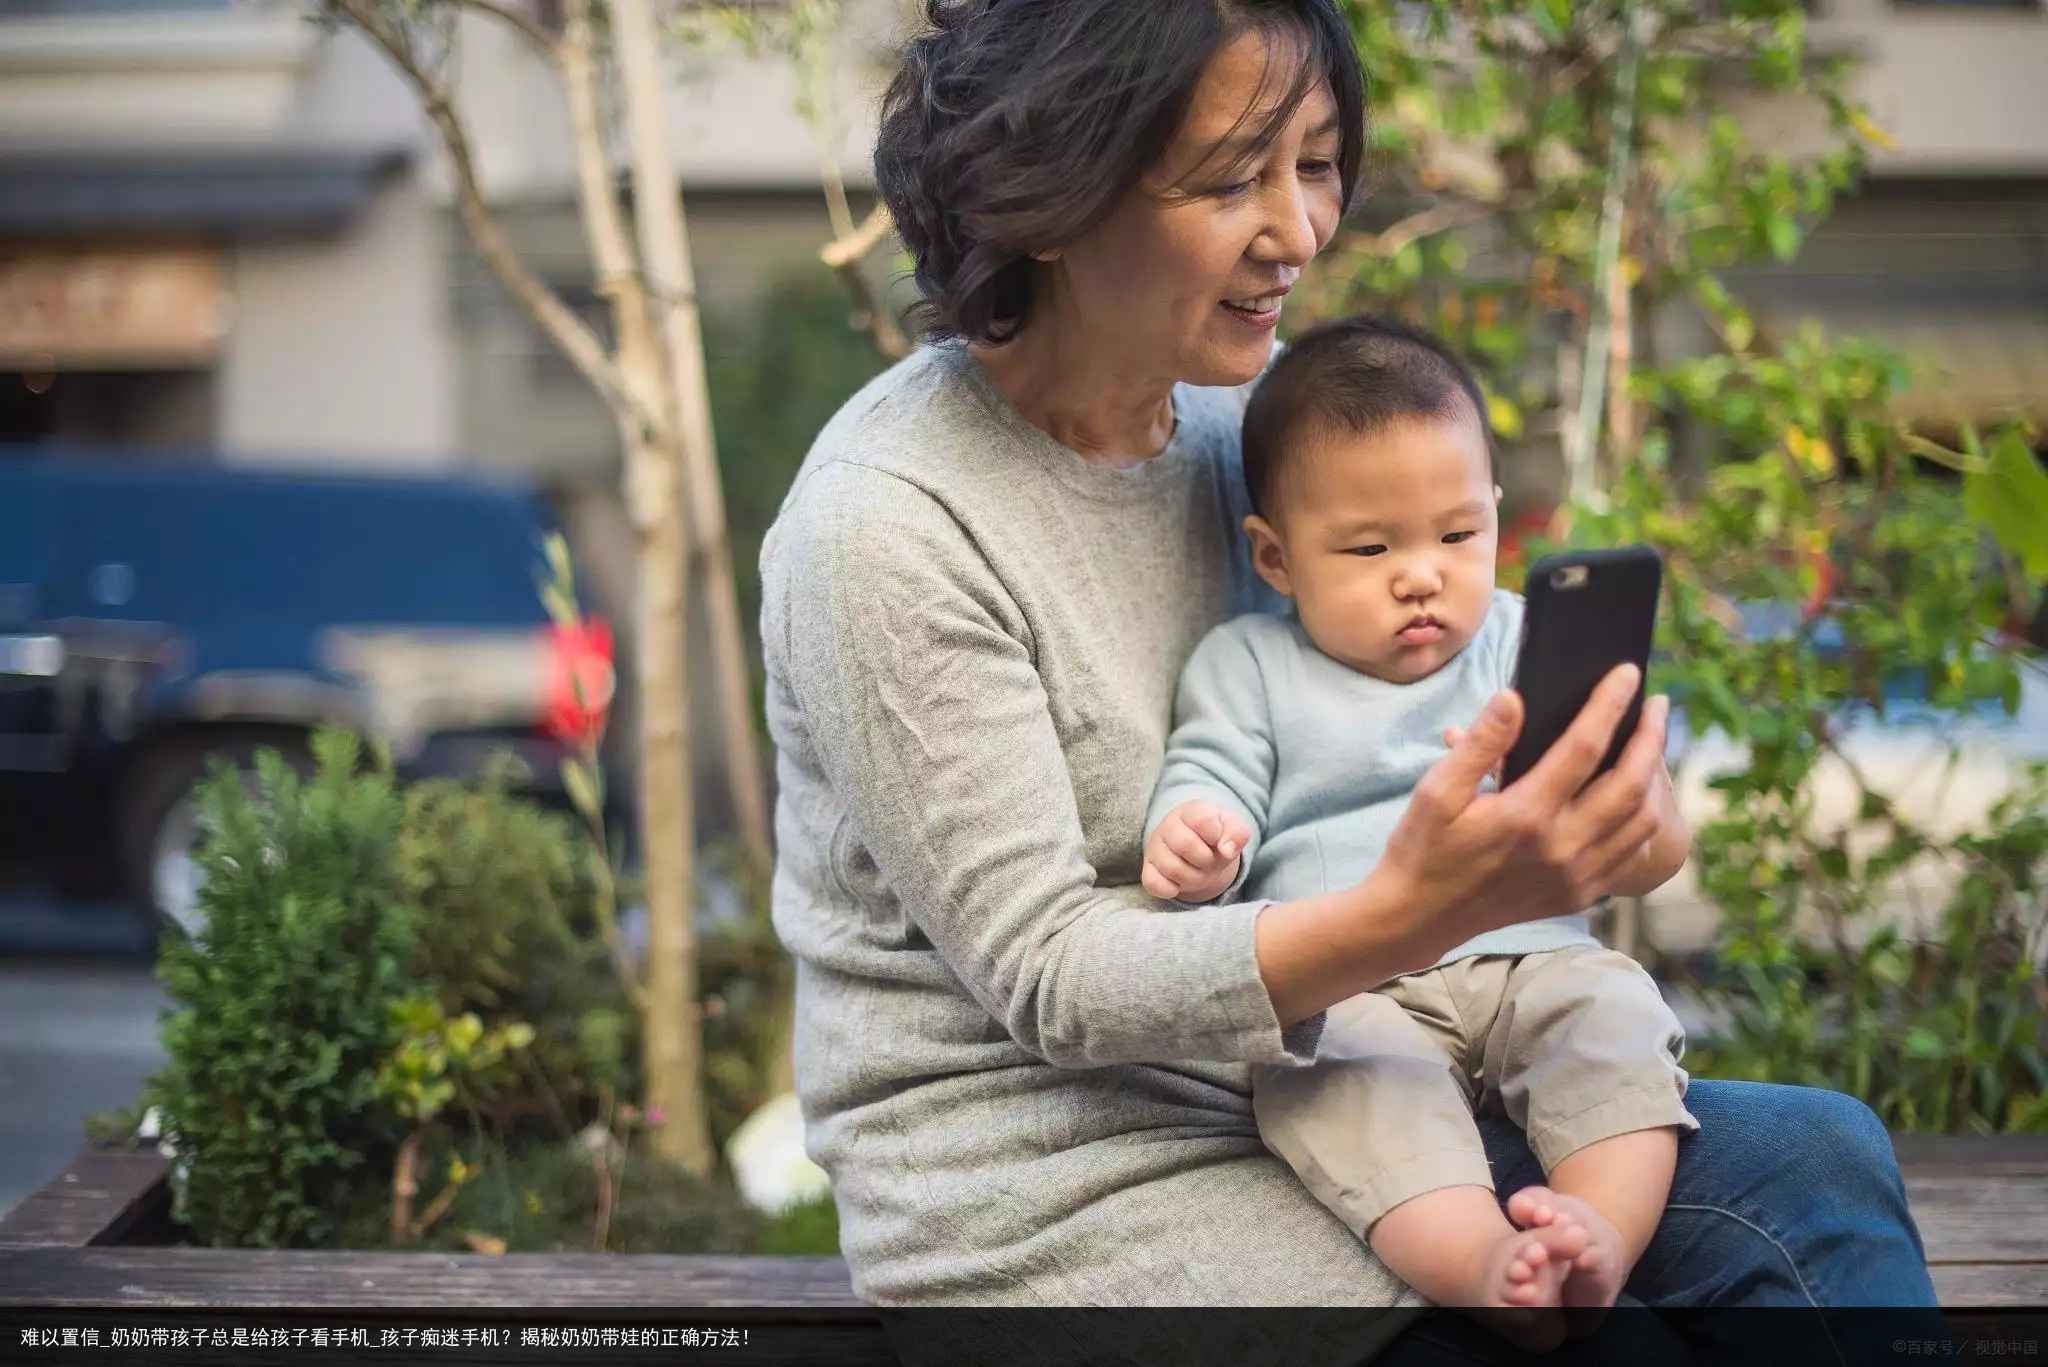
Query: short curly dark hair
1015	126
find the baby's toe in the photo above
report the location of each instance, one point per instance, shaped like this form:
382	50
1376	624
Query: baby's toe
1532	1206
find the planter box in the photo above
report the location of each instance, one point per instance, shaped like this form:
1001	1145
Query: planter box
97	1238
86	1240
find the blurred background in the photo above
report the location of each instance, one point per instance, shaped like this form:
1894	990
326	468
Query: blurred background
233	285
257	389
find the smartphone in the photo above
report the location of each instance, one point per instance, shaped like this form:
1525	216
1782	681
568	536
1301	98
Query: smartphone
1587	612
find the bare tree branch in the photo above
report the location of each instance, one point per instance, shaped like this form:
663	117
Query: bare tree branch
505	13
1441	218
847	255
568	332
619	278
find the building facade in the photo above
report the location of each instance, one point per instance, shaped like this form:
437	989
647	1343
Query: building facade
225	228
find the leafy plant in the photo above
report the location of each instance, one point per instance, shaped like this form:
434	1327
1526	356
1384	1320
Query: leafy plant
1877	574
552	1197
507	930
807	1230
1550	190
748	981
436	1061
1547	174
281	1007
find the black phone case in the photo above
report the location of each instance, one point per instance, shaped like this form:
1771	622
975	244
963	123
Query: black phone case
1573	637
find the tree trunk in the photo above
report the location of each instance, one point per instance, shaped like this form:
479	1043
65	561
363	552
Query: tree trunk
1621	408
665	257
671	1041
1593	375
671	1038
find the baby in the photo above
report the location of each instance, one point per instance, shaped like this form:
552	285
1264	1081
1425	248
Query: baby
1297	744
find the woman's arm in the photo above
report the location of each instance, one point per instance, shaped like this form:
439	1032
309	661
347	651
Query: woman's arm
1462	862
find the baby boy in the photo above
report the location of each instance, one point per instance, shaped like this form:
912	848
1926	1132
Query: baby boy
1297	744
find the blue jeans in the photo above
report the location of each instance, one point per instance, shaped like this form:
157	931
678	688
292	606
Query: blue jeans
1786	1197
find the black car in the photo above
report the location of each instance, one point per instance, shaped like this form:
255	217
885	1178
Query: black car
155	614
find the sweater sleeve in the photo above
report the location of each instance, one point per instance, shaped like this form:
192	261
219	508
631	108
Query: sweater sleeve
912	673
1221	749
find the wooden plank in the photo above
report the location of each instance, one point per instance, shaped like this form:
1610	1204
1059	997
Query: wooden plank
1970	1286
1981	1204
248	1277
755	1290
2015	1153
101	1195
1973	1218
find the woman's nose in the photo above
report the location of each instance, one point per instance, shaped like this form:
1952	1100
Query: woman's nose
1290	235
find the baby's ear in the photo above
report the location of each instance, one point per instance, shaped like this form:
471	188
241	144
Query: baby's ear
1497	495
1269	557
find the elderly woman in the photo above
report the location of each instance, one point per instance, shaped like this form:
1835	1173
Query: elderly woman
1028	1078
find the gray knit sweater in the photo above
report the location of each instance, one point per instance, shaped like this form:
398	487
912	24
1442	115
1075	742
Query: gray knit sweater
1027	1078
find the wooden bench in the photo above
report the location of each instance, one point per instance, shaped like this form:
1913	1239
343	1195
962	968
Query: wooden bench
95	1236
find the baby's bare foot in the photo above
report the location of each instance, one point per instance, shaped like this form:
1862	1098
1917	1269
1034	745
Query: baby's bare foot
1593	1279
1519	1291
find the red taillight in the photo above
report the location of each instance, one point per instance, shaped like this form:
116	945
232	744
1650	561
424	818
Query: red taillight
581	680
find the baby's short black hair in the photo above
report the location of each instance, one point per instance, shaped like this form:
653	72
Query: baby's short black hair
1357	376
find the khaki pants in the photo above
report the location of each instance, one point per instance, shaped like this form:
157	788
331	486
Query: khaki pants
1574	1046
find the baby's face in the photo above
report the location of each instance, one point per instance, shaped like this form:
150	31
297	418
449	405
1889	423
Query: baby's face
1386	544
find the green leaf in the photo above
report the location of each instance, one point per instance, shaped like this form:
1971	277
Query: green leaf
576	780
560	608
1923	1043
2009	495
1783	234
1505	417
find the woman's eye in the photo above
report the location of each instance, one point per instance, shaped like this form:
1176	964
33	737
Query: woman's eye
1231	191
1316	170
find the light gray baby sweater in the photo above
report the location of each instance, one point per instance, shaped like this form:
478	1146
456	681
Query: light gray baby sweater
1321	760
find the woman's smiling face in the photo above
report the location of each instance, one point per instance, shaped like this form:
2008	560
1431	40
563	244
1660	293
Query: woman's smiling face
1183	280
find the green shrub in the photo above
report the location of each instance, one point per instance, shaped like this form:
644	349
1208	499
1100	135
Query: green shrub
543	1197
746	981
1940	1027
281	1008
390	985
808	1230
503	892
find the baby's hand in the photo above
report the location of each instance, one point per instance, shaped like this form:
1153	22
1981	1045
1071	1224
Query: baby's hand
1193	854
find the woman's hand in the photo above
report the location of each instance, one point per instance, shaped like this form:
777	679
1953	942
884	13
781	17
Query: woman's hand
1667	851
1463	862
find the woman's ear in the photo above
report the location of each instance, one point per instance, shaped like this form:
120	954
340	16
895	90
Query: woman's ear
1269	557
